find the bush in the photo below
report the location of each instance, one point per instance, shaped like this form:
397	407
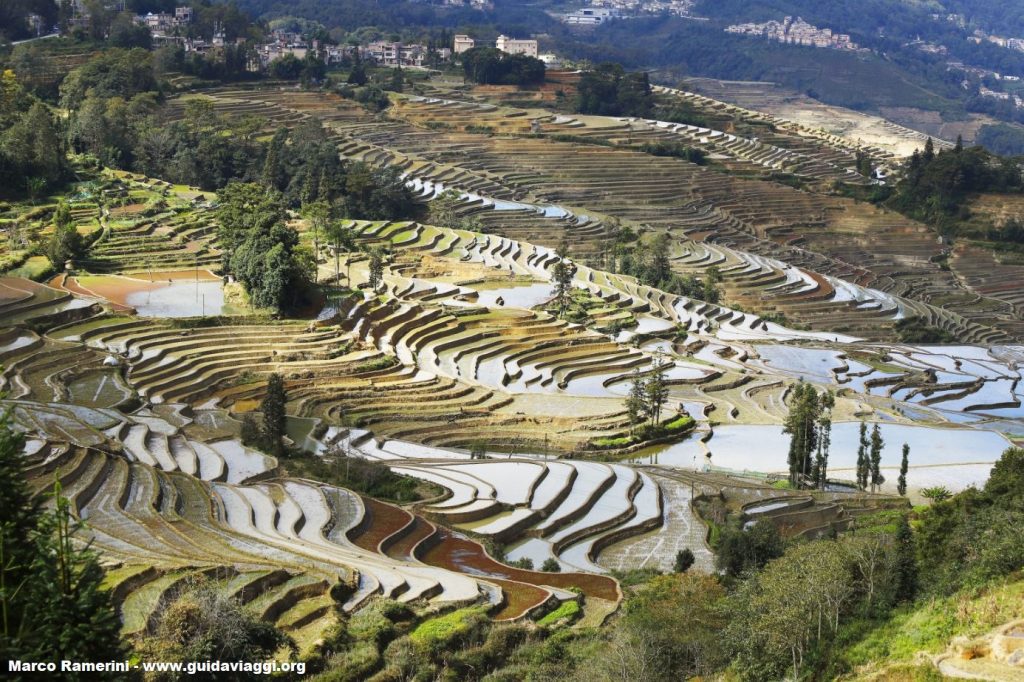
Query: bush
684	560
551	565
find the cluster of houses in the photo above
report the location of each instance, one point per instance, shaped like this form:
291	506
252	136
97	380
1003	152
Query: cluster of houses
602	11
1010	43
796	32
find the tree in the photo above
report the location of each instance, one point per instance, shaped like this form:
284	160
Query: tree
376	268
561	274
877	479
65	244
286	67
656	390
52	603
274	173
551	565
341	238
905	568
272	407
684	560
318	213
444	209
901	483
636	400
863	463
681	617
397	82
35	186
820	471
357	76
1006	480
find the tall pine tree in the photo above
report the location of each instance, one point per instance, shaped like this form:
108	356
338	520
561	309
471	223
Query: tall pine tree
274	417
863	463
901	483
877	479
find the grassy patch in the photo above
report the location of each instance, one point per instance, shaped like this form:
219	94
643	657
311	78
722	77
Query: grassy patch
447	629
375	364
36	268
567	611
930	626
679	425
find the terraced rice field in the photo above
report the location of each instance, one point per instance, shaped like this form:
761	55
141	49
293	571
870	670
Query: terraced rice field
830	263
455	374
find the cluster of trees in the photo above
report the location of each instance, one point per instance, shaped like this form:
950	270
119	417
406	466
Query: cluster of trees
675	149
1011	232
445	212
648	394
65	243
227	63
869	458
809	423
975	536
774	612
1002	139
203	623
309	69
105	21
112	73
490	66
649	263
934	186
608	90
301	169
52	601
32	151
260	248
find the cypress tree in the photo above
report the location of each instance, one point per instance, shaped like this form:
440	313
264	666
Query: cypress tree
901	483
274	418
877	479
376	267
862	458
